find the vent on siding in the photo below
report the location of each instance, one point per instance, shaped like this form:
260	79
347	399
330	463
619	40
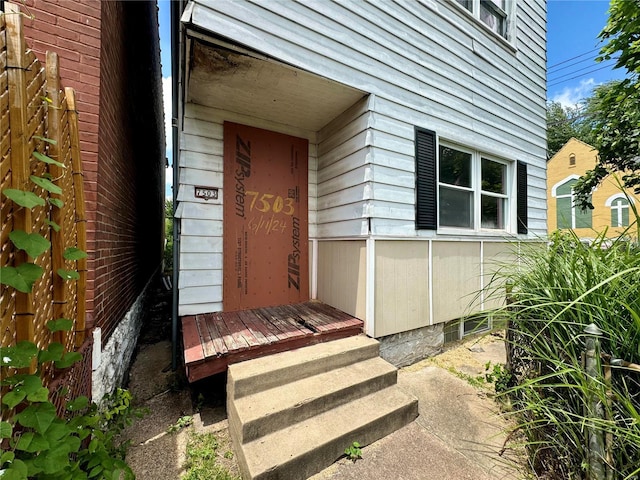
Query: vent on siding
523	197
458	329
426	188
478	325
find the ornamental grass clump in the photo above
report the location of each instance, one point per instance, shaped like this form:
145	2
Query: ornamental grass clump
555	293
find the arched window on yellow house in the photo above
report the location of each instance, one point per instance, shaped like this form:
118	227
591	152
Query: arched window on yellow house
619	204
567	214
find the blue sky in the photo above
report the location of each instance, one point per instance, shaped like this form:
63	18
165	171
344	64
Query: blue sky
572	45
572	31
165	53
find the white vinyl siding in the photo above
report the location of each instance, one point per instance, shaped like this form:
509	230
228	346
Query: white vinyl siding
344	173
426	64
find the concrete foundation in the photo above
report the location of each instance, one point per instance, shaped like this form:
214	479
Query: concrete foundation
111	362
405	348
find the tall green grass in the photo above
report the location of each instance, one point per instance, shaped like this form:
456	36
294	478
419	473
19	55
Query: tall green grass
556	292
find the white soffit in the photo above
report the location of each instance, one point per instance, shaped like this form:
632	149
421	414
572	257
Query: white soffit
236	82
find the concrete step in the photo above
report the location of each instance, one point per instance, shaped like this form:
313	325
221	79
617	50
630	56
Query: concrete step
306	447
264	373
265	412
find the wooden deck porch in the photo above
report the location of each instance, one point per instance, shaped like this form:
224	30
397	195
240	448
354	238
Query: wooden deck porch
212	341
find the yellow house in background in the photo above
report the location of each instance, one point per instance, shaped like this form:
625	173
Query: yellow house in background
611	206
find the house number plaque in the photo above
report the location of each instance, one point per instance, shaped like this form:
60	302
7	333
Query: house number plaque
207	193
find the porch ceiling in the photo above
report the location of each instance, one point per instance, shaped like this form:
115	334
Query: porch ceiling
239	83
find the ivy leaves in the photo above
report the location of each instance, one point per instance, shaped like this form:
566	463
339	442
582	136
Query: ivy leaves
73	253
23	198
43	444
47	184
26	274
32	243
21	277
28	387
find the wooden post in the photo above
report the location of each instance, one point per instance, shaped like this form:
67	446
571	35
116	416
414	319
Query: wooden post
508	329
595	439
81	221
57	237
20	155
608	438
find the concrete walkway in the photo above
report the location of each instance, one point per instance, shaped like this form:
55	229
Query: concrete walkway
458	434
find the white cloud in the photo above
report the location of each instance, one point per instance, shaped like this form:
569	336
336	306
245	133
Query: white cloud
571	96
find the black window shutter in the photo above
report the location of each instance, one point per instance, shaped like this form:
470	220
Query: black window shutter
426	188
523	197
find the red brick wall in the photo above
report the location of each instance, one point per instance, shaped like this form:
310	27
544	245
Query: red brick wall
72	30
110	55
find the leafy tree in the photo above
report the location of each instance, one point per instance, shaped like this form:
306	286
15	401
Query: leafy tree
559	128
168	234
615	117
562	124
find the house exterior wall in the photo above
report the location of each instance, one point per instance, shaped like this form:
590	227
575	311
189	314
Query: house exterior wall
119	99
428	64
344	173
560	169
497	256
402	286
342	275
72	30
130	203
425	64
200	163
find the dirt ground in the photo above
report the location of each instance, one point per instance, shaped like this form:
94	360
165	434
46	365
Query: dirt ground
155	454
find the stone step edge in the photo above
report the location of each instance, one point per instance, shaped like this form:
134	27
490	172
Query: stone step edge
312	445
264	373
256	415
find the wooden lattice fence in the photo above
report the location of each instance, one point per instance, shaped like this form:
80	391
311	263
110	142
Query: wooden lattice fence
35	109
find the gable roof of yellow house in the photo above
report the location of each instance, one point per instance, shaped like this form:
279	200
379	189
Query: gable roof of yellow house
611	206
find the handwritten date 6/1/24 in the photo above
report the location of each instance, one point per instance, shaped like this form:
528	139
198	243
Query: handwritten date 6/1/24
266	225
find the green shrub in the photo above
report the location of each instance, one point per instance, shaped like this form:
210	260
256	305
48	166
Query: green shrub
39	443
556	292
168	235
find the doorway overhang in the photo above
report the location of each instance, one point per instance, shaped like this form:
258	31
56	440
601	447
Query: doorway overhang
229	78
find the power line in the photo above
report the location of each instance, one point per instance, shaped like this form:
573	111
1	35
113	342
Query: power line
590	59
553	80
577	76
550	67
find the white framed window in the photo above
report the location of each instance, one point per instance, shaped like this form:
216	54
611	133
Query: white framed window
492	13
619	204
474	190
460	190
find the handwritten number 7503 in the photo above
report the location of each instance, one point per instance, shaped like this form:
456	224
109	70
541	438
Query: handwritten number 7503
267	202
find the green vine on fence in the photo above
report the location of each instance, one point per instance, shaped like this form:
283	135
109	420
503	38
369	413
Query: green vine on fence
23	276
36	441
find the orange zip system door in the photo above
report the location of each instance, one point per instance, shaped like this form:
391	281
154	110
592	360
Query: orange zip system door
266	231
